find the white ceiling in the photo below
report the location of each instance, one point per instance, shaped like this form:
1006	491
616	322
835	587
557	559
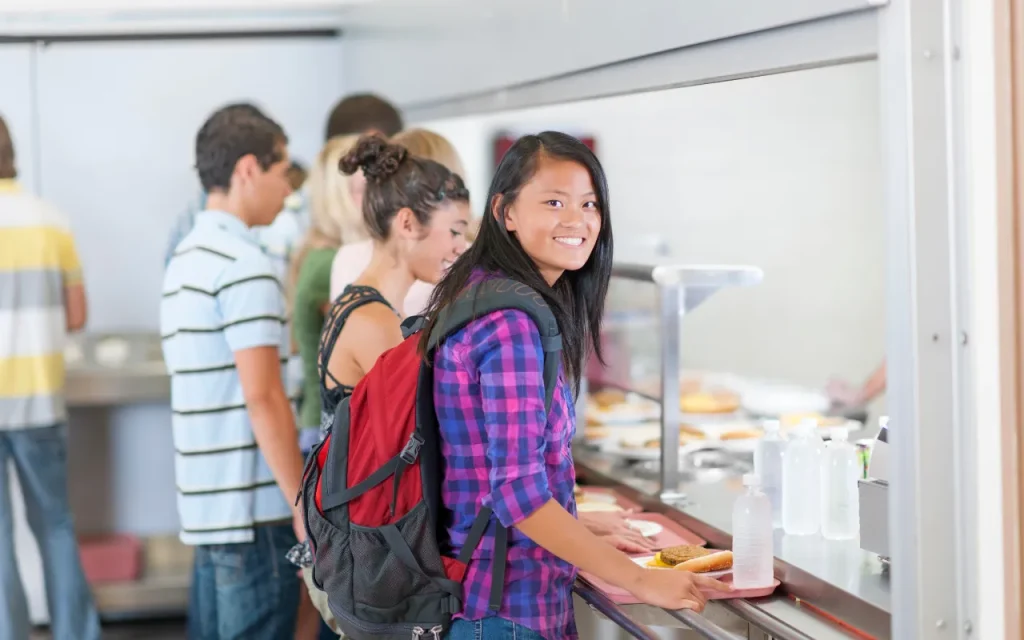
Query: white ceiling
57	17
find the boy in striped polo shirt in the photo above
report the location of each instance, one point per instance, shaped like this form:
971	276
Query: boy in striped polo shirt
222	320
41	298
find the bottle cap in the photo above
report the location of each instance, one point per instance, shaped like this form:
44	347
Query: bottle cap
751	480
771	426
839	434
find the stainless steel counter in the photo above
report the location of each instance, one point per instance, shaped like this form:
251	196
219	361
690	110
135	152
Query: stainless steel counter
820	578
115	369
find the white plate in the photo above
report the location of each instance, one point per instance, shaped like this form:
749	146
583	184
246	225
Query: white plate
590	507
645	528
616	449
777	399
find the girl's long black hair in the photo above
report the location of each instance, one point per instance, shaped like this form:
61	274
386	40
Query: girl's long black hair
577	298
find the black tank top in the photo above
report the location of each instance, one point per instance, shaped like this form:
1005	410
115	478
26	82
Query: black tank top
353	297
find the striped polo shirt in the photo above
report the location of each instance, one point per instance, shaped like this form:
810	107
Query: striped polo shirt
220	295
37	261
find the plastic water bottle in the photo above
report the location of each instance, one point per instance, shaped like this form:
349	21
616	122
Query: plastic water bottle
801	482
768	467
839	498
752	537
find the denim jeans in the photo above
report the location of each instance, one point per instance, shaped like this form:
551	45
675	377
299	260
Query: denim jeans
40	459
490	629
246	590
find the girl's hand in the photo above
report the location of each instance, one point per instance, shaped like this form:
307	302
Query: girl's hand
613	529
633	543
673	589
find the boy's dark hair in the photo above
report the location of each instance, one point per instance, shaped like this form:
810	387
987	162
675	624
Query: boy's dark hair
363	113
395	180
230	134
7	168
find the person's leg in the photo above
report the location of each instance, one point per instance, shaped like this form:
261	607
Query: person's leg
257	588
326	633
202	597
14	623
40	456
307	626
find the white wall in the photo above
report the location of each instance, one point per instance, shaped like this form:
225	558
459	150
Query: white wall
980	132
118	123
781	172
116	127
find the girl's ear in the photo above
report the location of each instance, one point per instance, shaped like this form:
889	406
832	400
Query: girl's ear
404	223
501	213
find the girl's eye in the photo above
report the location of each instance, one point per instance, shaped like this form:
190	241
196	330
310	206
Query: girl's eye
554	203
591	205
456	234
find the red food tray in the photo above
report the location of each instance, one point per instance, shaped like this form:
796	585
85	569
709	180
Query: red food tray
621	596
672	533
113	558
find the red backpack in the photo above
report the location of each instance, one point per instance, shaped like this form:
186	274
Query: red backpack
371	489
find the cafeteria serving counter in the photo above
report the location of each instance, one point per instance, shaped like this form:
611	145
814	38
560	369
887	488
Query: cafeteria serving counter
829	589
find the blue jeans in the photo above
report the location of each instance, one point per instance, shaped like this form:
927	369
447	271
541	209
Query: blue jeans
246	590
491	628
40	458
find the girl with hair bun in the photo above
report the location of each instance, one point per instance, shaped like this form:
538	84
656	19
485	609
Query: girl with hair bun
352	258
416	211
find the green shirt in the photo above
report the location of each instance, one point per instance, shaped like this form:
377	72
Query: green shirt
312	292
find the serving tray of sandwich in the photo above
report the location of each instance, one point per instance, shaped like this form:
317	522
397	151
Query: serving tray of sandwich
685	557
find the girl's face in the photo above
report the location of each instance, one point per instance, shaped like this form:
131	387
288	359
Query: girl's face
556	217
430	250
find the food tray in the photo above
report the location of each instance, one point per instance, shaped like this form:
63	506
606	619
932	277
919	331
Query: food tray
621	596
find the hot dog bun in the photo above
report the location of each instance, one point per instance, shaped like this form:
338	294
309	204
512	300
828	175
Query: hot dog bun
719	561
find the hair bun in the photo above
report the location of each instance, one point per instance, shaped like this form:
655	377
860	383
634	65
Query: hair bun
375	156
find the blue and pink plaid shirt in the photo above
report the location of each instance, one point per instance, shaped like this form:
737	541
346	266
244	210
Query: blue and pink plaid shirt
500	450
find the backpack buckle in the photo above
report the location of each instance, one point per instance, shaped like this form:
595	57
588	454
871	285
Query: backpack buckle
411	451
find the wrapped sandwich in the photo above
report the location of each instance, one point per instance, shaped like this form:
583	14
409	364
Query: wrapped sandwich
688	557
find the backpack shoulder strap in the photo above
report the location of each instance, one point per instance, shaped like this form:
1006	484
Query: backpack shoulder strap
498	294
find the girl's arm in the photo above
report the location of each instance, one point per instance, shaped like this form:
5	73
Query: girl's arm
507	353
554	528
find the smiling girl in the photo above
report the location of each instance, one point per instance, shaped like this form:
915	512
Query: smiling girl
548	226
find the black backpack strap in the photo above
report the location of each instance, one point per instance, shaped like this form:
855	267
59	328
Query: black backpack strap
479	300
476	533
351	299
498	294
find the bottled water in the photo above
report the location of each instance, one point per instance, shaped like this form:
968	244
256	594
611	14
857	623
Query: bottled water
768	467
801	482
752	566
839	499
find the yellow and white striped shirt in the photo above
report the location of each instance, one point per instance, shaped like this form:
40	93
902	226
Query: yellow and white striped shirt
37	262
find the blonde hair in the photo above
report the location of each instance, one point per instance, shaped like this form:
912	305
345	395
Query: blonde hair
334	219
433	146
